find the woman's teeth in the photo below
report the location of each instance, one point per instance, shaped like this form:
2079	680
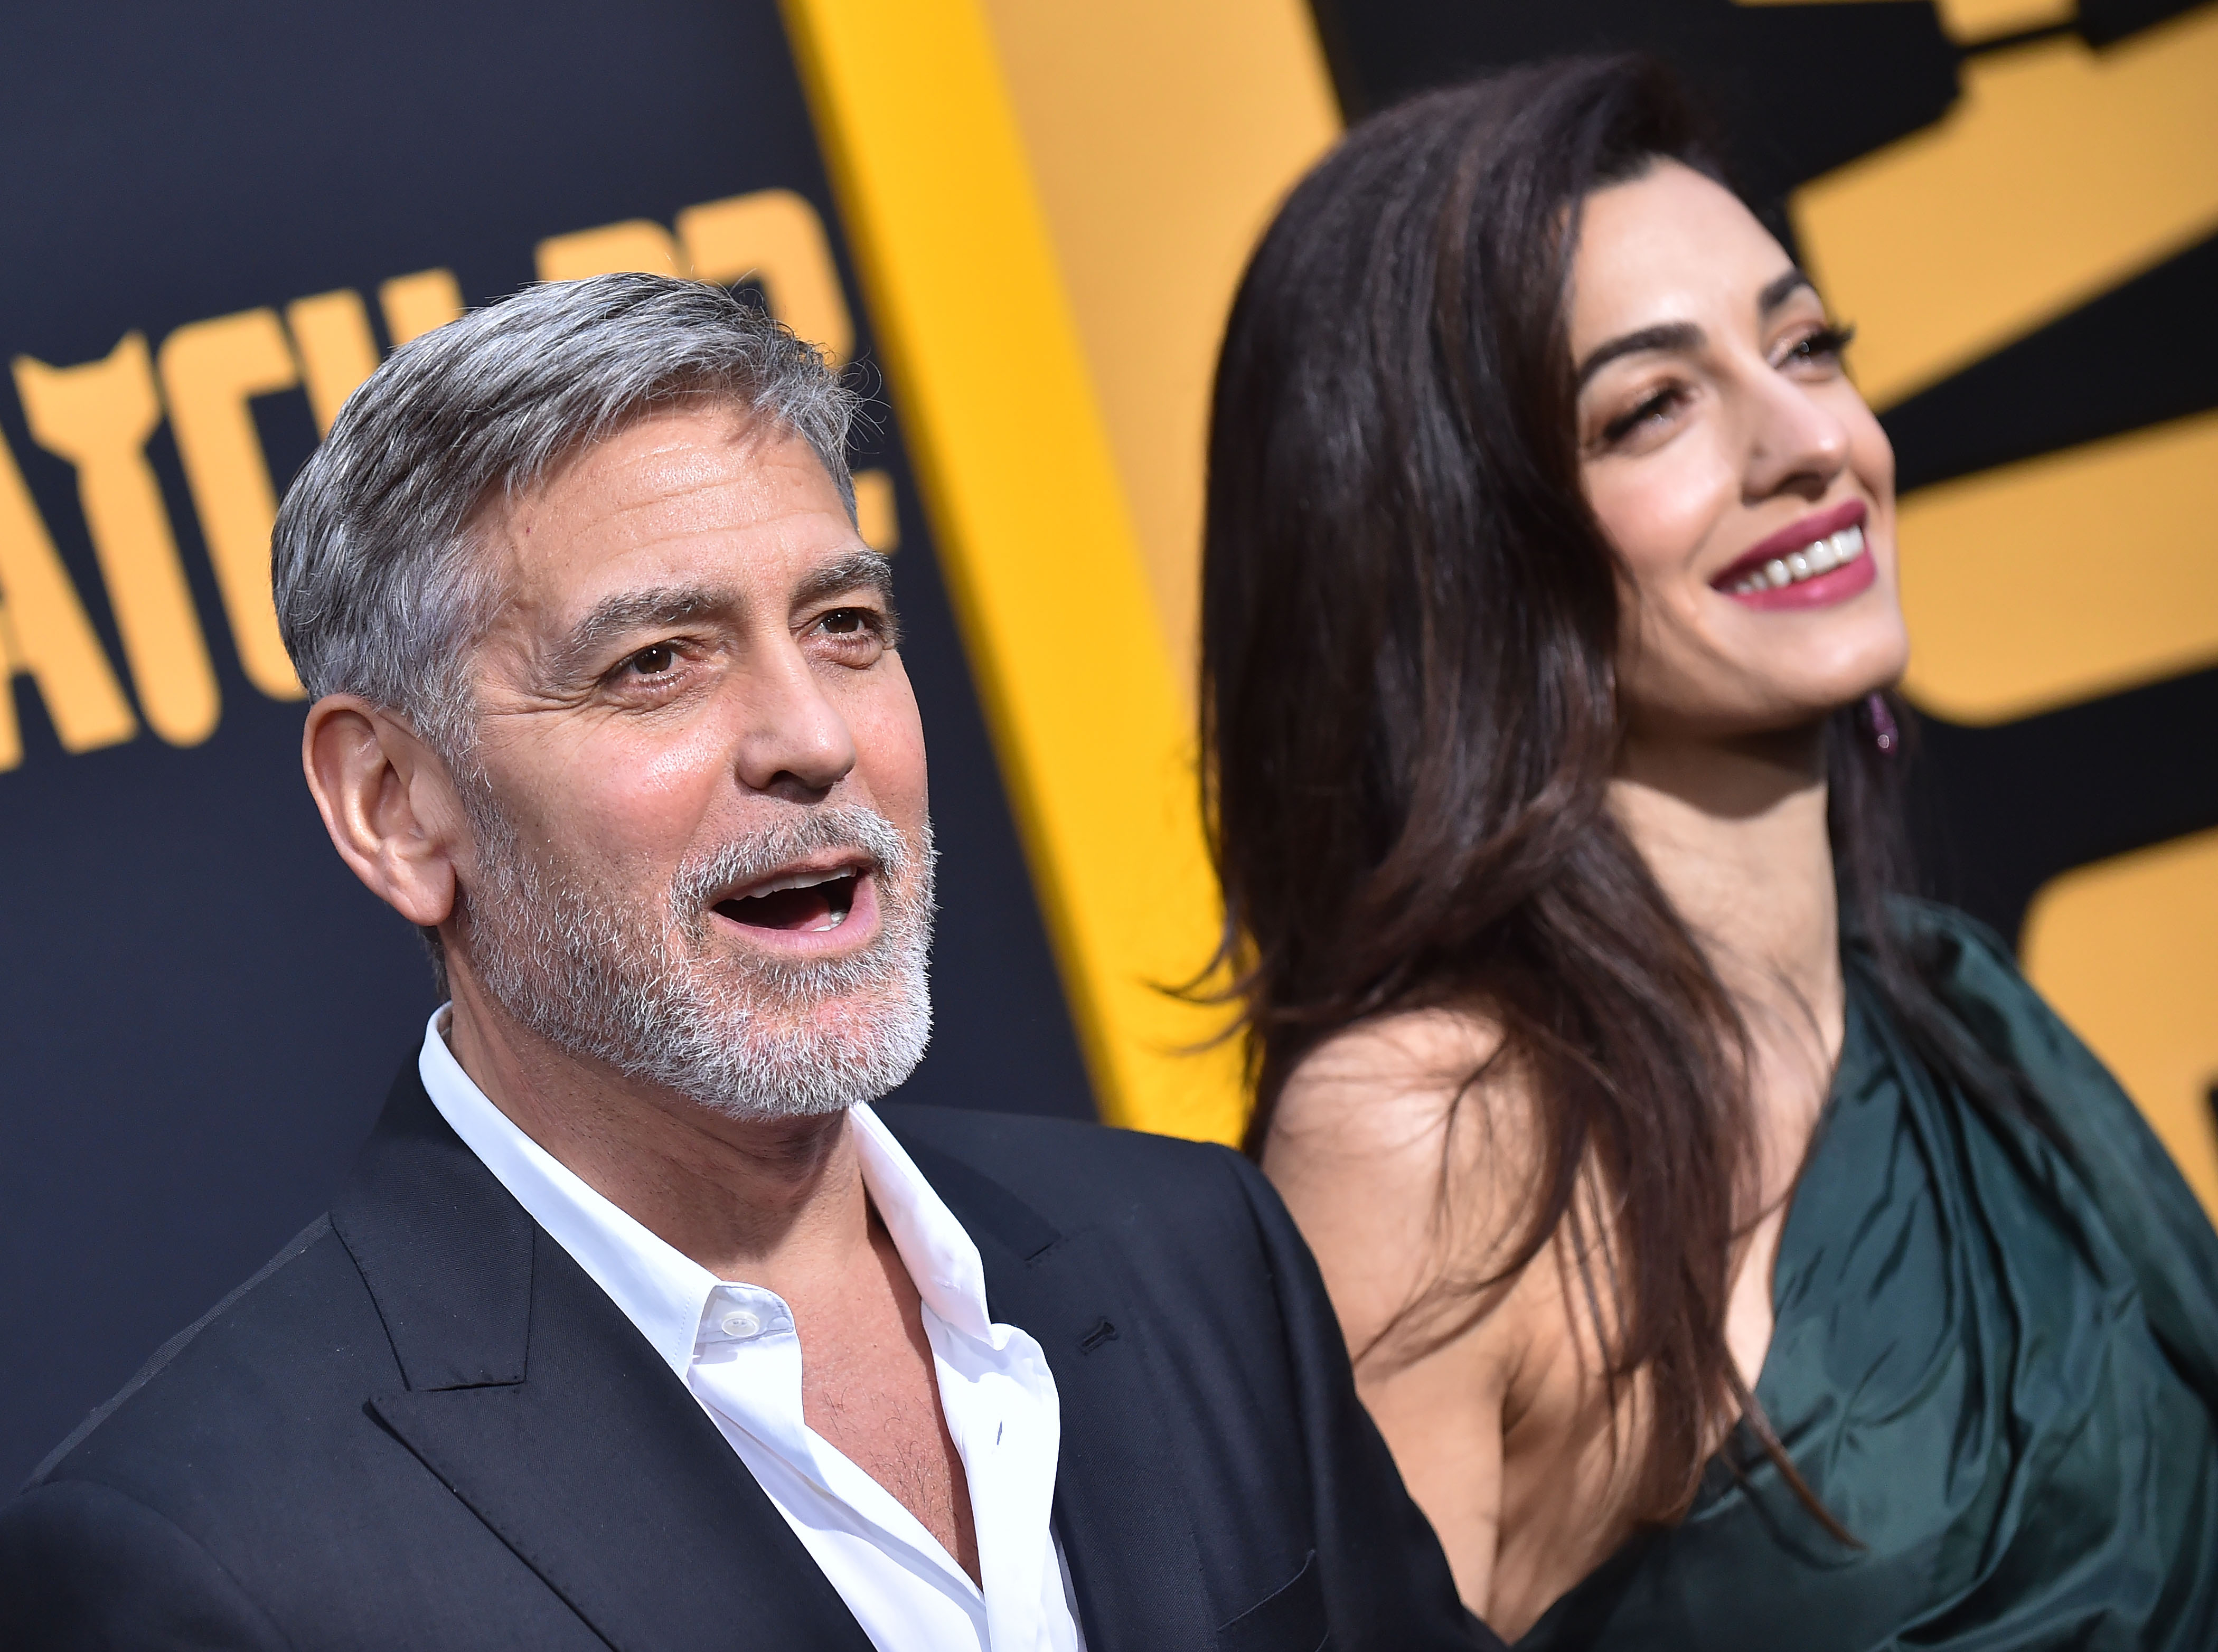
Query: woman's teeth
1819	556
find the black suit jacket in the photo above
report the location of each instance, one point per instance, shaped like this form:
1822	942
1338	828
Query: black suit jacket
422	1425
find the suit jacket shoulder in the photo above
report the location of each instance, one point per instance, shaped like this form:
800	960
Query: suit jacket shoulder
1083	1176
1190	1336
422	1424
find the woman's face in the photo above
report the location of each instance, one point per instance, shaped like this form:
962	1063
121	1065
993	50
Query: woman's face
1745	485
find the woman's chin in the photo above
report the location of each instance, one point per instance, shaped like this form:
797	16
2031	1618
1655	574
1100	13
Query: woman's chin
1799	688
1774	717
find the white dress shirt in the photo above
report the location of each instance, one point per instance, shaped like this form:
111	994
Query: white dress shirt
734	1346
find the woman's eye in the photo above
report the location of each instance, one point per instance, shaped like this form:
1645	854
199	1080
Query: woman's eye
1822	347
1646	411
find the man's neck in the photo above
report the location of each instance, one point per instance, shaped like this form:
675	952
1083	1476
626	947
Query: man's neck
778	1204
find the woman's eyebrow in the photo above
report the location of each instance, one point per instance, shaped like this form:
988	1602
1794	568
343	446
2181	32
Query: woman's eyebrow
1682	335
1782	289
1685	336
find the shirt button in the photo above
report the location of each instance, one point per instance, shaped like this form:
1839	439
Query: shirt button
740	1323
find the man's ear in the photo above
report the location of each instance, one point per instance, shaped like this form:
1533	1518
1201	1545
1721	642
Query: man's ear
388	803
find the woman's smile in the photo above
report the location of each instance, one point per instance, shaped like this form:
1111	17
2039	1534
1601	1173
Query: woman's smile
1815	563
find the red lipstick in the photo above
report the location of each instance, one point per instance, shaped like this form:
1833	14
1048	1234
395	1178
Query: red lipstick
1814	563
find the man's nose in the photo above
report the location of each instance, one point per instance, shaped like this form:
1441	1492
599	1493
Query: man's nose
1797	444
794	743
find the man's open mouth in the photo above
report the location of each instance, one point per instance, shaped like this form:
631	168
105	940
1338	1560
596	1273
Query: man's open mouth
805	903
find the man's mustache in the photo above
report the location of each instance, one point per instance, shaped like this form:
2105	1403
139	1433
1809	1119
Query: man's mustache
786	842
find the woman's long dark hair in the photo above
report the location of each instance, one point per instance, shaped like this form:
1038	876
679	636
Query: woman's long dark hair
1410	620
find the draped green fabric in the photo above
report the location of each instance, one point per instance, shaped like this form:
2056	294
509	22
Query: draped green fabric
1996	1363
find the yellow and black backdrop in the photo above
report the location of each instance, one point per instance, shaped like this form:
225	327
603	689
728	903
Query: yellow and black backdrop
1022	220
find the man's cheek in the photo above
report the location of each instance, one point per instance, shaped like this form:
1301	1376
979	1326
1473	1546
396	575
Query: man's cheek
666	787
889	754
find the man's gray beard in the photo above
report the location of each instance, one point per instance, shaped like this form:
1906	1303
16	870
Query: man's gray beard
632	981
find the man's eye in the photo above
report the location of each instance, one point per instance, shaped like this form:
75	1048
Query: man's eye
653	662
846	622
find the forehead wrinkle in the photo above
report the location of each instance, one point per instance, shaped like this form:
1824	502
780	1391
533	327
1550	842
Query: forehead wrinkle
681	464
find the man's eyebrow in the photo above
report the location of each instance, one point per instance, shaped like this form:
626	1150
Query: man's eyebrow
857	570
1781	290
1671	335
633	611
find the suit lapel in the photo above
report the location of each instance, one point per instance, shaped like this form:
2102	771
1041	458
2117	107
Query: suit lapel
1133	1558
539	1405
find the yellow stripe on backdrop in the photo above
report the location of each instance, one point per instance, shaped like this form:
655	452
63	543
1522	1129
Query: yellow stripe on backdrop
2127	949
1162	134
988	363
2062	171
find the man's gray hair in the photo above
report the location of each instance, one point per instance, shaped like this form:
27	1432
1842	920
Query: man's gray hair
379	590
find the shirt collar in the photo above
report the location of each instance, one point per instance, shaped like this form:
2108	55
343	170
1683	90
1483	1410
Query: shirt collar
660	1290
941	1257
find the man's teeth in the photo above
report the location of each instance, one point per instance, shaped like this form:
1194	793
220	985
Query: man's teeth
1819	556
799	880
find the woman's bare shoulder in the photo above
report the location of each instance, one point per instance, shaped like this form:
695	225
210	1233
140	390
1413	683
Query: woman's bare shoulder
1408	1098
1405	1149
1400	1069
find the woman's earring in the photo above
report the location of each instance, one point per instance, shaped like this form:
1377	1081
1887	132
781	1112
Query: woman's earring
1880	721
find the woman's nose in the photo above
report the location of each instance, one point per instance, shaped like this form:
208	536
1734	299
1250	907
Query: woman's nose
1797	443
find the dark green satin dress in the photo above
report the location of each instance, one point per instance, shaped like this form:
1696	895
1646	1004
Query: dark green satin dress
1996	1362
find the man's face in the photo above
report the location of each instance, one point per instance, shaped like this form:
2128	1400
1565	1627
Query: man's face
702	849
